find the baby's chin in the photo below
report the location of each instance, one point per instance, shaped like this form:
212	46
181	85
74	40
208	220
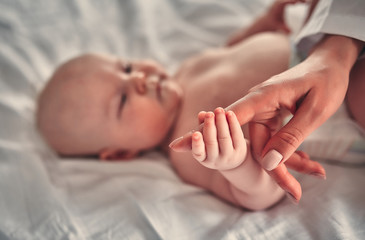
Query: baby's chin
172	94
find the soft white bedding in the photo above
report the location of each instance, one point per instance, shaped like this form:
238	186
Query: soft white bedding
44	197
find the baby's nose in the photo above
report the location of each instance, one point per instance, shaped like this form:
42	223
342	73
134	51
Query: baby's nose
139	81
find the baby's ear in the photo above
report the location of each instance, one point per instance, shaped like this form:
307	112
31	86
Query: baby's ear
116	154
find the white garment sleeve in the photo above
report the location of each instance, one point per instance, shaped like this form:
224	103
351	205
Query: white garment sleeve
339	17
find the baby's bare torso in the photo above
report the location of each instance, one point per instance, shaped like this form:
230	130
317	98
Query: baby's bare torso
217	78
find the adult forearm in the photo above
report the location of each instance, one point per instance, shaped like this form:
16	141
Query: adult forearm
340	50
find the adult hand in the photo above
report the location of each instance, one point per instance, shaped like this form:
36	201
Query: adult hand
312	91
275	16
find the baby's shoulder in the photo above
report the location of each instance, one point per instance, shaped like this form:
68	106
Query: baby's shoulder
202	64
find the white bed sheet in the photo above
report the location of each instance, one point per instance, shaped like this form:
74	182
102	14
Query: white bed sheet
43	197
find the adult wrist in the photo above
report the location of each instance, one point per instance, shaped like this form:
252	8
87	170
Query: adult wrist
339	49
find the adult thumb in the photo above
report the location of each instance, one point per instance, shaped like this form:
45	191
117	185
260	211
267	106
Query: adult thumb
286	141
281	146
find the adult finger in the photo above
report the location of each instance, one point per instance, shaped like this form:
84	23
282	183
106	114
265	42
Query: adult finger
183	144
284	143
260	133
300	162
287	182
250	105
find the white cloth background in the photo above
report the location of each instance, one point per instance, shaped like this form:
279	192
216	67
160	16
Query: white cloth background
342	17
43	197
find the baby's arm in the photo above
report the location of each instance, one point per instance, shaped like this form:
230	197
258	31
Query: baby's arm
222	147
231	172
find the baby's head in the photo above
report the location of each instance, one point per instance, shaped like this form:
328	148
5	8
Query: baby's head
99	104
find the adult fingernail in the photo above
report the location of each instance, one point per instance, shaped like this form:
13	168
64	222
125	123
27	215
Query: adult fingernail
292	198
271	160
318	175
176	141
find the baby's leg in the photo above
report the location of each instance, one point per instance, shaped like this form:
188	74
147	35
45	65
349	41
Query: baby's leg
356	93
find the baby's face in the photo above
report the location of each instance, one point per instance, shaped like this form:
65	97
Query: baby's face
112	106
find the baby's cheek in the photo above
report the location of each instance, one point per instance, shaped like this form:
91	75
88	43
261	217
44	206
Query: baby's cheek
154	122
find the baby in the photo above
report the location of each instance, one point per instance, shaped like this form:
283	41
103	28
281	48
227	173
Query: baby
106	106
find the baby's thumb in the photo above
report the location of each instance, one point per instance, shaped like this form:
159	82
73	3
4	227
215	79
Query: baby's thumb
183	144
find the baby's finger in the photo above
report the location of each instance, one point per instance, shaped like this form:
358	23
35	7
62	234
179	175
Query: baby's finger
223	134
235	129
210	136
198	147
201	116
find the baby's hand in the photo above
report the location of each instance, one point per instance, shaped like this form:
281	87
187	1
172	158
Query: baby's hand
221	146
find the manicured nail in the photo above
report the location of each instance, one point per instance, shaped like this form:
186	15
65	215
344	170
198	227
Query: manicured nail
176	141
292	198
271	160
318	175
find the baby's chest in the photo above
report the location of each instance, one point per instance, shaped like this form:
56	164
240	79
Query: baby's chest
212	89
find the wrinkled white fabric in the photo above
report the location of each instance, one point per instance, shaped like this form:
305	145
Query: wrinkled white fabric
44	197
338	17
